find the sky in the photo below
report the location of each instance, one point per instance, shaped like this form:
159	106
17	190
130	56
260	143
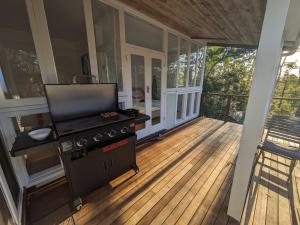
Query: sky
294	58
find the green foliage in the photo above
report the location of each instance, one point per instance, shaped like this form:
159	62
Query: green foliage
229	70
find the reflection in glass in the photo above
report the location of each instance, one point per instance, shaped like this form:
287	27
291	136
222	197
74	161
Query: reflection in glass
31	122
138	82
39	160
20	75
183	63
107	34
193	64
200	66
188	106
179	106
141	33
68	38
156	91
196	103
172	60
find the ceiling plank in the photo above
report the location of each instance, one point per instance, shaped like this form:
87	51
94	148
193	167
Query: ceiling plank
232	22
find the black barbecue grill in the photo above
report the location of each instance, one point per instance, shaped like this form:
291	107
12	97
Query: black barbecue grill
96	138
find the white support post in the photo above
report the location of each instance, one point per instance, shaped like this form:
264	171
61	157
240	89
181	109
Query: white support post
264	78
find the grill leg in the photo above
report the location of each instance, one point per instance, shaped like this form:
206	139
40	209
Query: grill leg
135	168
76	204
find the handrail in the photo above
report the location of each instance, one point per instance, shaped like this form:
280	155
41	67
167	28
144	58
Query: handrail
228	101
234	95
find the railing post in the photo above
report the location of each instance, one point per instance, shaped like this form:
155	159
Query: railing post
227	111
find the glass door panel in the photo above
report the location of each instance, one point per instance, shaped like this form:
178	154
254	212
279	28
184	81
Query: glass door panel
138	82
156	91
183	63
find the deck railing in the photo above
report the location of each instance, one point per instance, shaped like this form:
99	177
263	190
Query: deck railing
230	107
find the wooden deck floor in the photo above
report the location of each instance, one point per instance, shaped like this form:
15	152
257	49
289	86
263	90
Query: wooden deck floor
186	179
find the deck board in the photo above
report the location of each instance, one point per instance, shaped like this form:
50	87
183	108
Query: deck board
171	171
186	179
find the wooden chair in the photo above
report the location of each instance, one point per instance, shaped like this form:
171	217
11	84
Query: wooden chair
282	138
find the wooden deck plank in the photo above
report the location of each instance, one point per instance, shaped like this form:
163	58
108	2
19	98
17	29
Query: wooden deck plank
221	217
272	207
186	195
284	207
98	199
165	206
121	206
180	189
218	172
186	179
175	187
262	194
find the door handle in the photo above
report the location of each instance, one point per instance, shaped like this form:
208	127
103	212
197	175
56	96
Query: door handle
148	89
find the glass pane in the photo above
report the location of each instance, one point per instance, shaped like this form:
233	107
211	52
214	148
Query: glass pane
141	33
69	42
183	63
180	106
200	66
30	122
196	103
188	105
156	91
138	82
193	65
107	34
20	75
172	60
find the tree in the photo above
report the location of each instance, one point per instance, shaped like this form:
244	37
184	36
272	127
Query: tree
229	70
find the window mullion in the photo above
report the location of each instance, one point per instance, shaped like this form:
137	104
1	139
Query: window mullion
41	38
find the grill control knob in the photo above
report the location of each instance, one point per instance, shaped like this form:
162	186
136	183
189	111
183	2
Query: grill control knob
124	130
98	137
112	133
81	142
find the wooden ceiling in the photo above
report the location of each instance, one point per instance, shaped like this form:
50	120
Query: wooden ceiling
217	21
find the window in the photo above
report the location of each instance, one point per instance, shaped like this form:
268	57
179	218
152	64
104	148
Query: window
68	37
141	33
200	59
183	63
180	100
20	75
46	157
107	35
172	61
30	122
193	64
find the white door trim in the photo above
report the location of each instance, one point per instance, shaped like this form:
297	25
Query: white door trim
148	55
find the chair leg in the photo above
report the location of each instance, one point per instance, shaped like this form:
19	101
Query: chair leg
292	166
261	152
